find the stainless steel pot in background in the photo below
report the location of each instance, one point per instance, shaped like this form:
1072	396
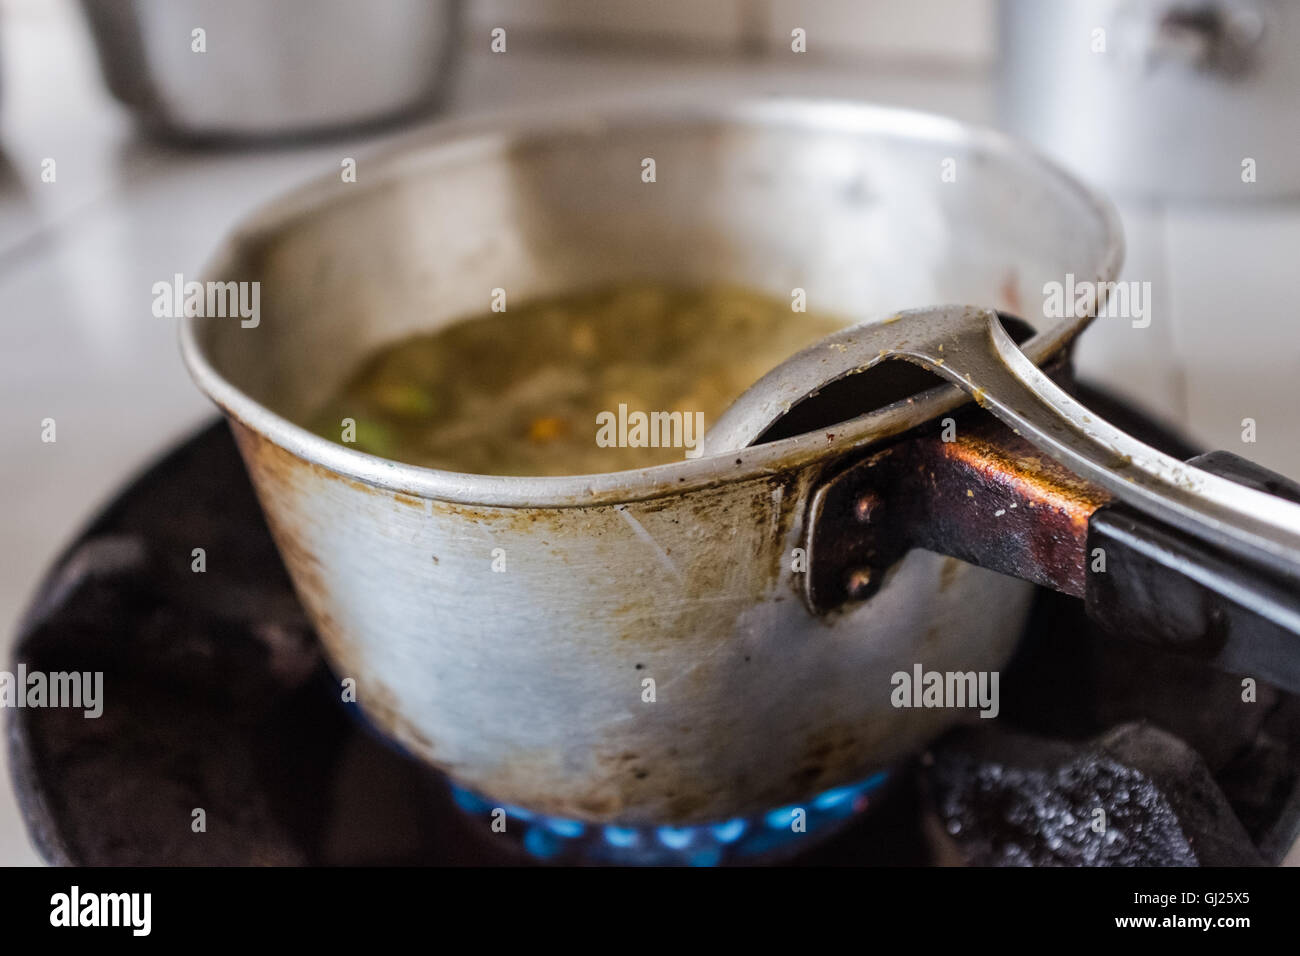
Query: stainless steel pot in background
1158	98
277	69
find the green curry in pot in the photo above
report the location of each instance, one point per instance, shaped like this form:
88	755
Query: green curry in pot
620	378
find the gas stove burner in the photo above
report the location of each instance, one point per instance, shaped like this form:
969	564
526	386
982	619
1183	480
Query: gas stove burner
776	834
232	708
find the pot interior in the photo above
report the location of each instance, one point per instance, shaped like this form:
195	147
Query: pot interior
868	210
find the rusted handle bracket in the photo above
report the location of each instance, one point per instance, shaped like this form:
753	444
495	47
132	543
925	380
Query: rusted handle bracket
987	496
991	499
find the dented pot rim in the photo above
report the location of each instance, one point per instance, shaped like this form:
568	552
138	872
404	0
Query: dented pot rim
445	140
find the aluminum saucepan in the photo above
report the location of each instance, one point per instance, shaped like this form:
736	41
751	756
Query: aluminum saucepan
635	646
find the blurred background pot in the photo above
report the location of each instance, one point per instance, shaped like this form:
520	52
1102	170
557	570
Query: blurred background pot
1158	98
265	70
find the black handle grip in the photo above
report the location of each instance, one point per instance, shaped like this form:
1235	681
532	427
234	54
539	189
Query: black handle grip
1148	581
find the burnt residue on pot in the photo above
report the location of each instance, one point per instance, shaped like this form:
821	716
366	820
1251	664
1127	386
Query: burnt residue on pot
517	693
665	594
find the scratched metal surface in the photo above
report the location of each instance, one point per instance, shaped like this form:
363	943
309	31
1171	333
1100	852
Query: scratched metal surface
527	684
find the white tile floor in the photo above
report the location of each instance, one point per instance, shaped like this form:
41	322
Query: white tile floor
78	258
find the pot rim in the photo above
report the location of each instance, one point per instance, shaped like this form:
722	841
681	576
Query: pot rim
612	488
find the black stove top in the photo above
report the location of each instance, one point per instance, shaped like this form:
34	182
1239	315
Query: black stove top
233	748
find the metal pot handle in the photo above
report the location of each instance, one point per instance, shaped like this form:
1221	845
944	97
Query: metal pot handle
972	350
1204	556
1215	36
